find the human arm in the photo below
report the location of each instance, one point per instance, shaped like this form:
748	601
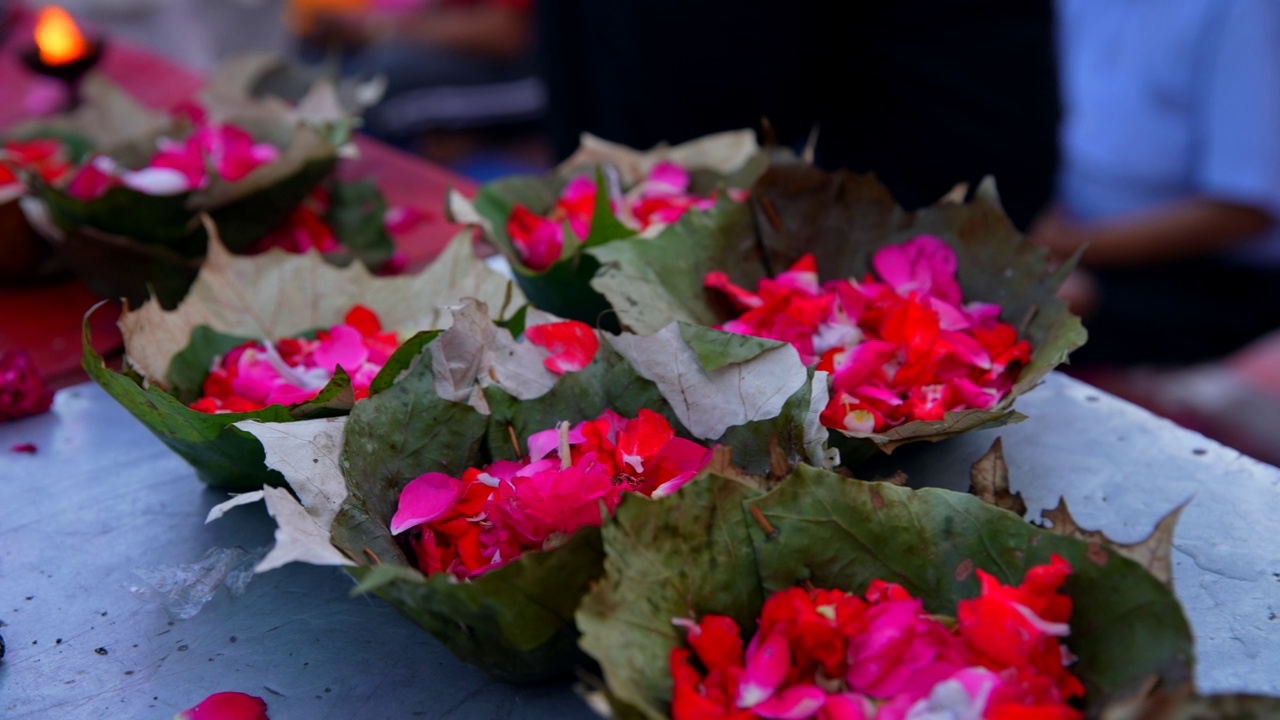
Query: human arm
1194	226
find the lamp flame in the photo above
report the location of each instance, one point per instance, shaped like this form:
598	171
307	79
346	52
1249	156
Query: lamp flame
58	37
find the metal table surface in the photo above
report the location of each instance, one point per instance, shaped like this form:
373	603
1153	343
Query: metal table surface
102	497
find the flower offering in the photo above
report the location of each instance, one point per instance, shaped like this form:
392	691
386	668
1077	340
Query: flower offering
659	200
900	344
292	370
835	655
572	478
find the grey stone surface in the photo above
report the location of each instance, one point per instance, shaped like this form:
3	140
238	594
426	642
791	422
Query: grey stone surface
102	498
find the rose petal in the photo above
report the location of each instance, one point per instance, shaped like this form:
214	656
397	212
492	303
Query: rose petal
766	668
226	706
794	703
424	499
572	344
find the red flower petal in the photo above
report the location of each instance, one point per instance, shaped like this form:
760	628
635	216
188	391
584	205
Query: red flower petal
363	319
226	706
23	391
572	344
28	448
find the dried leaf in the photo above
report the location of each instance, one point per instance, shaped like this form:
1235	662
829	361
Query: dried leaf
1154	553
709	402
306	454
722	153
300	536
989	481
685	556
474	353
279	294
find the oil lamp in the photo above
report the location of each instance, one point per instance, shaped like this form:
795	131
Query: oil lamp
62	51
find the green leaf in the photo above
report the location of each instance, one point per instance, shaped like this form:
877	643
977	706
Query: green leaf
605	226
716	349
404	431
515	622
652	283
223	456
836	532
686	555
189	368
400	360
337	397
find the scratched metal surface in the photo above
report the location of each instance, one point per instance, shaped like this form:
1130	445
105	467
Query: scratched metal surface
102	497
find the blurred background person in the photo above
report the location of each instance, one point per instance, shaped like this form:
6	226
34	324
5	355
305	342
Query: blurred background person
925	93
447	63
1170	175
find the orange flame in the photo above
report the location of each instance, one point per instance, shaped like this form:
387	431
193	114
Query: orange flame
58	37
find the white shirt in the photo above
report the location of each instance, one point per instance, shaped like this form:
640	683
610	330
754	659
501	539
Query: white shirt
1164	99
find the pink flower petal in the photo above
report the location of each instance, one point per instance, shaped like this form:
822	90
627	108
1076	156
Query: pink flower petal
797	702
767	666
344	347
226	706
424	499
846	706
924	264
572	344
666	178
28	448
862	362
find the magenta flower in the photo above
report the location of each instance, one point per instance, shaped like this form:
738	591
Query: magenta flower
23	391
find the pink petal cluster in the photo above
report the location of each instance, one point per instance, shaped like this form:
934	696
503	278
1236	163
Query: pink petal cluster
178	166
23	390
659	200
832	655
226	706
900	345
292	370
571	478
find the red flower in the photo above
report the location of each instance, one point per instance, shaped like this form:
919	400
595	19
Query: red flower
46	157
659	200
572	344
226	706
492	515
23	391
898	349
830	655
292	370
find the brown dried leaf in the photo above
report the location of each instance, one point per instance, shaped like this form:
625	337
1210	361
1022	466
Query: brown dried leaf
723	153
1154	553
989	480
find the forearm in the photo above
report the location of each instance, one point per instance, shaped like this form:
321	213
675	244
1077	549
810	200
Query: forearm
1188	228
